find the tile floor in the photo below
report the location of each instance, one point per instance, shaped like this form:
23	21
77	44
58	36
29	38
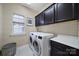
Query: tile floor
24	51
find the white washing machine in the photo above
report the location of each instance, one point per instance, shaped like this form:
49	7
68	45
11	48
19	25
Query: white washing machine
32	37
41	43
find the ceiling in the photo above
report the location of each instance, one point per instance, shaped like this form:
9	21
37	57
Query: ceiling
36	6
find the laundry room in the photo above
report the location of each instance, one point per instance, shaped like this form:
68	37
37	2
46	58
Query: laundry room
39	29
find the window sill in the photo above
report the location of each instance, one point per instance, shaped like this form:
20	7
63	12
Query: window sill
18	34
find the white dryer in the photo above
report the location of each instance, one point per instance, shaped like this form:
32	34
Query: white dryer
41	44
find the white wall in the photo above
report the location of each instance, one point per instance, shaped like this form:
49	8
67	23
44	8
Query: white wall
0	25
69	28
8	11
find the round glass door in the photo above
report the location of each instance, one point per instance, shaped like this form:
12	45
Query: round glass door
30	40
37	47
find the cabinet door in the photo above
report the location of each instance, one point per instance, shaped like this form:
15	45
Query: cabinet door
39	19
64	11
75	11
49	15
59	49
78	11
57	52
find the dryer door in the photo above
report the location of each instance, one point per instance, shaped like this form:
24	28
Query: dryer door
37	47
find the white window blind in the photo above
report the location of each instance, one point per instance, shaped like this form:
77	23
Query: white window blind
18	24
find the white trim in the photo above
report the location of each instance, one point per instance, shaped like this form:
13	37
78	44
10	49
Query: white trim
29	18
22	34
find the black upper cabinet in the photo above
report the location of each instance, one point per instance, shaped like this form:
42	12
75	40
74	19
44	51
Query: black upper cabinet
77	10
64	12
49	14
58	12
39	19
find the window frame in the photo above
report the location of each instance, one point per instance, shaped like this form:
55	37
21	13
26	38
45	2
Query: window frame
12	29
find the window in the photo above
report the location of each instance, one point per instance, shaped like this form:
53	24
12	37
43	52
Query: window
29	21
18	24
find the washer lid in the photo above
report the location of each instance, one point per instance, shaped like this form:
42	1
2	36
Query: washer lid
42	34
